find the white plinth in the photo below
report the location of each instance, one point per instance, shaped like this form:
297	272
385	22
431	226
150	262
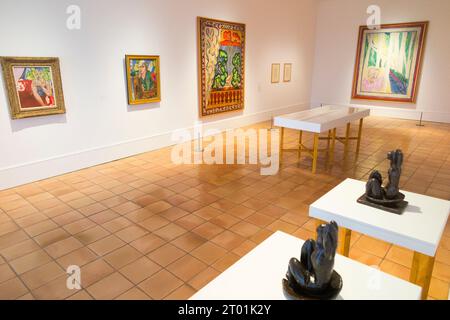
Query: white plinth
258	275
322	119
419	228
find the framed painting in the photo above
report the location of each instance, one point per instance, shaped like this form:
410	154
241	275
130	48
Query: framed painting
388	62
275	73
287	72
143	79
221	50
34	86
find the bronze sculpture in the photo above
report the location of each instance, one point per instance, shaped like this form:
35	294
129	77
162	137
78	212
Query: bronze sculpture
388	198
313	276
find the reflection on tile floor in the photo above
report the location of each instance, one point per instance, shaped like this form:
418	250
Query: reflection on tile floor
144	228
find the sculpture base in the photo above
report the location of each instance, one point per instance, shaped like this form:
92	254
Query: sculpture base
331	292
390	206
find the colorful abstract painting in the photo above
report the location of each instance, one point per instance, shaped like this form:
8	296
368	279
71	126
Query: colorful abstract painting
221	66
34	86
143	79
388	62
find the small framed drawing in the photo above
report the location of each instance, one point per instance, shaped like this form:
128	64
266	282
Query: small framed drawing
287	72
143	79
34	86
275	73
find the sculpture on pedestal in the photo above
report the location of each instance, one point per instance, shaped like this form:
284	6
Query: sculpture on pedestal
388	198
313	276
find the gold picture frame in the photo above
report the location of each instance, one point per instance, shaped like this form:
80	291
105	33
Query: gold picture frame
287	72
275	74
221	66
34	86
143	88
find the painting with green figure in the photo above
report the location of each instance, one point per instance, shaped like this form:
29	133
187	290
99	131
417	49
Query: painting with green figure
143	79
221	73
236	77
389	60
143	75
222	53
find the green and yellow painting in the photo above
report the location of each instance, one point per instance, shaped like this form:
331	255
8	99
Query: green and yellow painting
389	62
143	79
222	57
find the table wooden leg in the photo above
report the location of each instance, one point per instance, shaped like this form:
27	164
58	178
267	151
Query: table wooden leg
358	143
333	143
422	268
344	241
281	145
300	139
315	152
328	140
347	136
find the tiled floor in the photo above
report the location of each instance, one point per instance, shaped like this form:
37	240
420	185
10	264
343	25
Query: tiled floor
144	228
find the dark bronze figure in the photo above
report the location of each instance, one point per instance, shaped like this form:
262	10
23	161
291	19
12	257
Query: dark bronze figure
313	276
388	198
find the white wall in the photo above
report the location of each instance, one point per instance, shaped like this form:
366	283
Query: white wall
99	126
337	33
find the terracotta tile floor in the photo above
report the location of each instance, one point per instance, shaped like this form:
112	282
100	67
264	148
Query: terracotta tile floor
144	228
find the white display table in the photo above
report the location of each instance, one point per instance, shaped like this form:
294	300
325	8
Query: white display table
320	120
258	275
419	228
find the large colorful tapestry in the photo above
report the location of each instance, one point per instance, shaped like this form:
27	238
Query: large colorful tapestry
388	62
222	66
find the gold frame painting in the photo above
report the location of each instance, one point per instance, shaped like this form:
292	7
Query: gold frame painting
221	61
388	62
34	86
287	72
275	73
143	79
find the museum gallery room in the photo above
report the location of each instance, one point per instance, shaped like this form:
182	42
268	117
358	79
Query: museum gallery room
224	150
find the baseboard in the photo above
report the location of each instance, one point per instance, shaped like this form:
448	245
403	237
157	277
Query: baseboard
400	113
411	114
37	170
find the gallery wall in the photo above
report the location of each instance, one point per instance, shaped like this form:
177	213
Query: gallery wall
99	126
337	34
